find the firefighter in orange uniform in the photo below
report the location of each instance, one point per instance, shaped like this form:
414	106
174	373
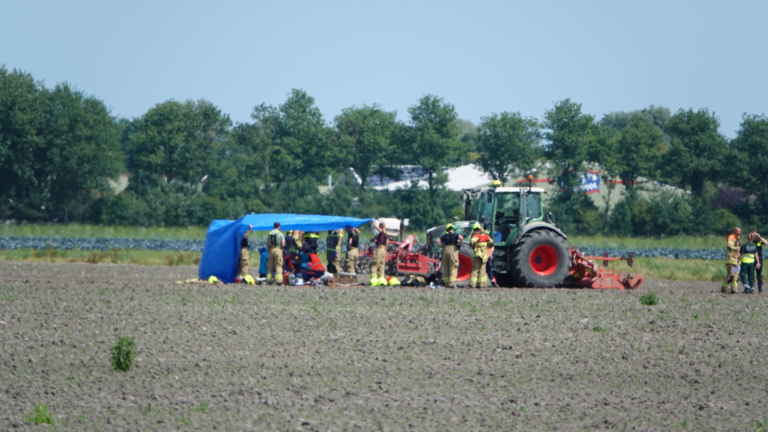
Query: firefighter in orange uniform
731	284
480	242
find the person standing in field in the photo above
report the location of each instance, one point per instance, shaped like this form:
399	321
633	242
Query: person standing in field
275	243
747	253
480	243
245	257
450	242
333	250
759	241
378	276
352	249
731	284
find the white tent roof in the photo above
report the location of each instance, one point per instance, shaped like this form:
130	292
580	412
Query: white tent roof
463	177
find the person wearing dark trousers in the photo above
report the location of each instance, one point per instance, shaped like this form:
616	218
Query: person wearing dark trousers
759	241
489	270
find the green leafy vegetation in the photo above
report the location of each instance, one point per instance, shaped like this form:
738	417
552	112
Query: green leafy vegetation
649	299
598	329
203	407
40	415
123	354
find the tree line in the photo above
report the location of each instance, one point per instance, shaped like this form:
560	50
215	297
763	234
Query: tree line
60	149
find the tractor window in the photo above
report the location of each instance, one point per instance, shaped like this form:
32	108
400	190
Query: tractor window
486	209
533	202
507	205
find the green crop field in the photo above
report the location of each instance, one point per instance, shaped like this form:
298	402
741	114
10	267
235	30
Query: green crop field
679	242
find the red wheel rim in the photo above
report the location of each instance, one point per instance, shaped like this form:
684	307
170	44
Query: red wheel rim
544	260
465	268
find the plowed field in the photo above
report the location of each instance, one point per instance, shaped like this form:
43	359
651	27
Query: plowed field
298	358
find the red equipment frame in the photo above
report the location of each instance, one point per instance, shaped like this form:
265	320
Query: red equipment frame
586	273
406	260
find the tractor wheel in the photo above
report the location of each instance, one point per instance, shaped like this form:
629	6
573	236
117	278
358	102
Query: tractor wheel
540	259
465	266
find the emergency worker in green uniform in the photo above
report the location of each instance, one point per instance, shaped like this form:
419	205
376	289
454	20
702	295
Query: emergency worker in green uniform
759	242
731	284
275	243
450	242
747	252
333	250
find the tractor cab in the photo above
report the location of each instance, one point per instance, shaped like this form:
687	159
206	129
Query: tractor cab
506	210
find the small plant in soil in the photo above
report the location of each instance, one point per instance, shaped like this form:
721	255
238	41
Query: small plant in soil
123	354
598	329
649	299
40	415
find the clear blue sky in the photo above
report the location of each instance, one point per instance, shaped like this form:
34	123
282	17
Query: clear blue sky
481	56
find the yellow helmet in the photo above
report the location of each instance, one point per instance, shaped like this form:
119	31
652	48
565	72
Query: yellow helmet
449	226
213	279
476	226
496	183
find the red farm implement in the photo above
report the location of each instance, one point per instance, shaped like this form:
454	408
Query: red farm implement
585	273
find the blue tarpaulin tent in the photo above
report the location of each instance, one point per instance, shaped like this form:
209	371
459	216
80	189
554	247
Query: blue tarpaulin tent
222	241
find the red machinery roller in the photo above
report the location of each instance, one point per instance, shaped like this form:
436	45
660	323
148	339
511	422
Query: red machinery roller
406	261
584	272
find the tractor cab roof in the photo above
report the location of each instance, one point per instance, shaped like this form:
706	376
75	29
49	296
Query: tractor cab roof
518	189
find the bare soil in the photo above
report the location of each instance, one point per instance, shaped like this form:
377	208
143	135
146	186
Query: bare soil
213	357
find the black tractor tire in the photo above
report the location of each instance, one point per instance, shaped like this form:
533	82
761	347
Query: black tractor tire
466	252
540	259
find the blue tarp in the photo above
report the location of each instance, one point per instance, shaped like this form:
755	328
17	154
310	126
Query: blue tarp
222	241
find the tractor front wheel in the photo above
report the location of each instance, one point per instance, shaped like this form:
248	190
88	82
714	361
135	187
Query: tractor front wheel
540	259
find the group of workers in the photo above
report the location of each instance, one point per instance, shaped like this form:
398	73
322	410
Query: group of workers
482	256
296	253
743	261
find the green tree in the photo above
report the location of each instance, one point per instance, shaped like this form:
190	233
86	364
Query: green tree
752	146
364	135
571	141
433	139
178	140
570	137
507	142
259	141
635	153
82	151
304	140
751	143
658	116
19	142
698	150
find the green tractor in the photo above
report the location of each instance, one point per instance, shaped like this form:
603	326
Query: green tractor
529	250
